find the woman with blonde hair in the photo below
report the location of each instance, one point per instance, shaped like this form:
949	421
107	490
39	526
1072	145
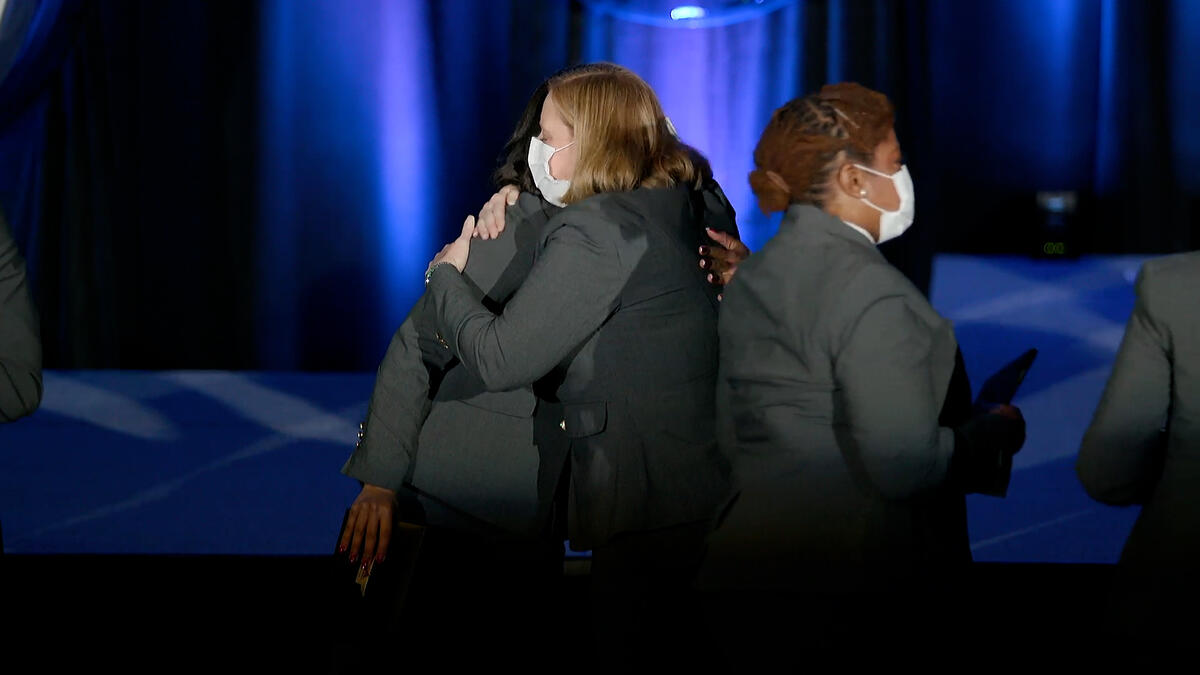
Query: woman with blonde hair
618	324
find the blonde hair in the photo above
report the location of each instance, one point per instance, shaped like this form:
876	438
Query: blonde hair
623	138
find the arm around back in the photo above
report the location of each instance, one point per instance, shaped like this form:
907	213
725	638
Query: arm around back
571	290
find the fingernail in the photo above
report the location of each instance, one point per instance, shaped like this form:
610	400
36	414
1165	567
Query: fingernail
343	547
703	250
354	557
379	558
711	278
704	264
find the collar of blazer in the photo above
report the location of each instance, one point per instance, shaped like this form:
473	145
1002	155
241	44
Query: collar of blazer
806	218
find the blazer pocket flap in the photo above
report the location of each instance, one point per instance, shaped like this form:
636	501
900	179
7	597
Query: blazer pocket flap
584	419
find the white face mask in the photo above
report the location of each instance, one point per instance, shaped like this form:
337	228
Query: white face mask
892	224
551	188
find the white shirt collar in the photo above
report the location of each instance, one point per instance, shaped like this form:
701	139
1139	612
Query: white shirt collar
861	230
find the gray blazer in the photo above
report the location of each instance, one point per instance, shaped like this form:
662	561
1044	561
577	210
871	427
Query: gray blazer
617	313
434	427
1143	445
834	370
20	343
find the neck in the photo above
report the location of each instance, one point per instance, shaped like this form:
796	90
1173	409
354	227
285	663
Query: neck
856	212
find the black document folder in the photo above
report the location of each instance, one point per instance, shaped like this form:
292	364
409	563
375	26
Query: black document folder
1000	389
1002	386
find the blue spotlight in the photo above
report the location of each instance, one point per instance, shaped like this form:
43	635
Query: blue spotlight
687	12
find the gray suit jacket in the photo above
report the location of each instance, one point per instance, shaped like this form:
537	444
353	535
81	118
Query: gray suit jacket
1143	445
834	369
617	313
20	343
434	427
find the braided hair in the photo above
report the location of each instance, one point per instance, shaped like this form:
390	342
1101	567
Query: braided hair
808	138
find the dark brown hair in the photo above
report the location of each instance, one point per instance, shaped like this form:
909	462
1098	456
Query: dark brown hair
809	137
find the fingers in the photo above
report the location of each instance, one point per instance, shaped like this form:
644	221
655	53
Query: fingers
370	536
510	192
491	217
385	536
467	228
1007	411
730	243
347	530
358	514
721	238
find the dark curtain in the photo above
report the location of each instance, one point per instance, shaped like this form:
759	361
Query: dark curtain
144	188
260	184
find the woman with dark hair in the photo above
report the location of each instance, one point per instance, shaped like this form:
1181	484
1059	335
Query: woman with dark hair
852	442
614	313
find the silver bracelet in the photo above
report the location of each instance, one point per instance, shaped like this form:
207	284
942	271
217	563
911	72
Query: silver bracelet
429	272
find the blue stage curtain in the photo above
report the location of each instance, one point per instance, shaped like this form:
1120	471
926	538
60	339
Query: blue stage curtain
260	185
382	121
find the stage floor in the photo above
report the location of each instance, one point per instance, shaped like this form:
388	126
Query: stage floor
247	463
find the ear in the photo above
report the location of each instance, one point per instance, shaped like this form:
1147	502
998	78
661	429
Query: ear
779	182
851	181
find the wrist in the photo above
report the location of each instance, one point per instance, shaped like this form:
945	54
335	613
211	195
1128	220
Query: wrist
429	272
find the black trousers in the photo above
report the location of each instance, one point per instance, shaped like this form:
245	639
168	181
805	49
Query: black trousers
644	612
785	630
477	597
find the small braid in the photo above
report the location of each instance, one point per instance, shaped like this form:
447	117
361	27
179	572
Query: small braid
808	138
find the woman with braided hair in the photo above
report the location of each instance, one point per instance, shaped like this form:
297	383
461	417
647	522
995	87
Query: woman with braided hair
851	438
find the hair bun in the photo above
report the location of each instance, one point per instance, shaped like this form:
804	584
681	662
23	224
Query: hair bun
771	197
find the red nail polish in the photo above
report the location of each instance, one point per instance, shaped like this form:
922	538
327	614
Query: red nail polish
343	547
354	557
379	558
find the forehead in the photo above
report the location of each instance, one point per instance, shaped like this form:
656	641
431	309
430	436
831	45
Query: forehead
550	113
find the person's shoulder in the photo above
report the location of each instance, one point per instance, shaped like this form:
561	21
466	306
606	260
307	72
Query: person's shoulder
599	213
1171	269
1166	286
530	205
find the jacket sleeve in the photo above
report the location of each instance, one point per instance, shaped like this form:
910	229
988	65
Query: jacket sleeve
883	370
1120	457
20	342
398	407
571	290
411	368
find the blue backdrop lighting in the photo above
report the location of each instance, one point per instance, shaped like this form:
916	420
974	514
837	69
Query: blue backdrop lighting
379	121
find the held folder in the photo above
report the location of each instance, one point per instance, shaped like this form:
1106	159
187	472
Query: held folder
999	389
380	593
1002	386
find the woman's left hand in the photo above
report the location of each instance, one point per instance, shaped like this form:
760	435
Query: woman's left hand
456	252
721	262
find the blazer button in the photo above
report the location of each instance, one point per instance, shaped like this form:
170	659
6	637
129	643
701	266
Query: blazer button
362	430
562	425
